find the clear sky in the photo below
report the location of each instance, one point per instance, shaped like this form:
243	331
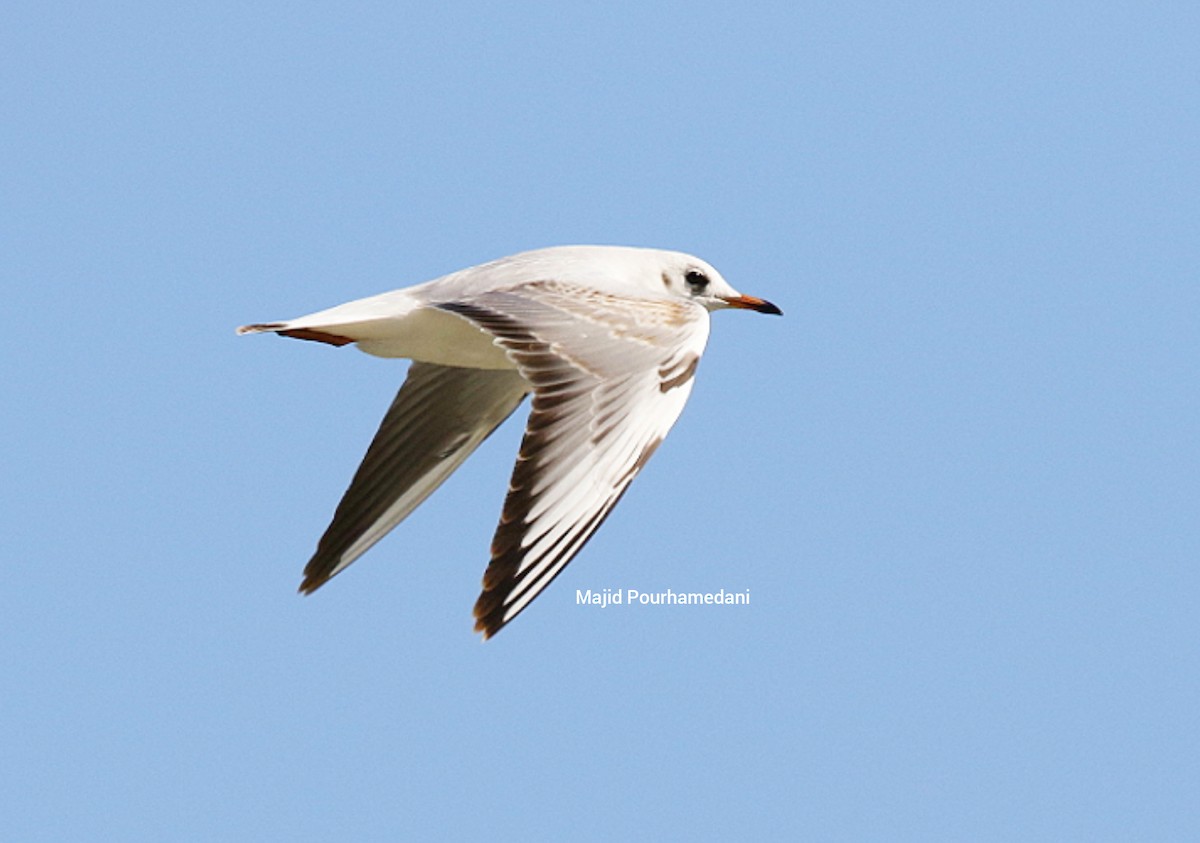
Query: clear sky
959	477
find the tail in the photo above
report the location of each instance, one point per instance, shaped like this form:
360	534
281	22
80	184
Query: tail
283	330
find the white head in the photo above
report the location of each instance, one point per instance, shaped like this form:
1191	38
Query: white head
689	277
639	272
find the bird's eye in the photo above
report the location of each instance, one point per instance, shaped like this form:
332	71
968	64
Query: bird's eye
696	280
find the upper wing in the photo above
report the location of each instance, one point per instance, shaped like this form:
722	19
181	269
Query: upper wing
439	416
610	377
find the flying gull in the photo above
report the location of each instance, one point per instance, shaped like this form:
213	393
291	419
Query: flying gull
606	338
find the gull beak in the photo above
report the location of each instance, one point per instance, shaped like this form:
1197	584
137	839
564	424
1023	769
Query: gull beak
751	303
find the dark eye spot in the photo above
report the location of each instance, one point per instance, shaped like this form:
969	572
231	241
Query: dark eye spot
696	280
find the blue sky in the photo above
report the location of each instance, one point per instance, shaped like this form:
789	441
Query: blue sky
959	476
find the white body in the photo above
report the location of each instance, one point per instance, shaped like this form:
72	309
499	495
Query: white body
606	338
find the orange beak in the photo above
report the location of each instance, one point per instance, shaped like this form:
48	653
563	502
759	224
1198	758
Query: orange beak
752	303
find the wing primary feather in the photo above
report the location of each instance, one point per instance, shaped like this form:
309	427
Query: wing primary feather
605	393
439	417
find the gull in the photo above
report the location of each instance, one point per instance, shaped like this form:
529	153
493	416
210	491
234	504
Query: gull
607	340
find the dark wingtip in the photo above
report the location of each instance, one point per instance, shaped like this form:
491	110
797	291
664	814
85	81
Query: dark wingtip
489	613
312	582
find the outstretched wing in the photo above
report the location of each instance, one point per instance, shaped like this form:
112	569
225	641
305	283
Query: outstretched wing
610	376
440	415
